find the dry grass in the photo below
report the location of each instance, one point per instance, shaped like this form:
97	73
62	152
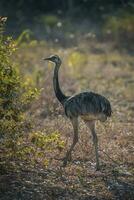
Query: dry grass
109	73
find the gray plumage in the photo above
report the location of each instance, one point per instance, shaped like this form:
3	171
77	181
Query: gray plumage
89	106
85	103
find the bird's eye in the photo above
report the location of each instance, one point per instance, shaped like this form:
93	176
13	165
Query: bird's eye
56	59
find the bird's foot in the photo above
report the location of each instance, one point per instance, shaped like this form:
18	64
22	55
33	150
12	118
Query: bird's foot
64	163
66	159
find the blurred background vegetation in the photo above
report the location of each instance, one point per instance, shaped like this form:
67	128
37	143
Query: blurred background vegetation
63	21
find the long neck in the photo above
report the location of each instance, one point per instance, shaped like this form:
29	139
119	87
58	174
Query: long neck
60	96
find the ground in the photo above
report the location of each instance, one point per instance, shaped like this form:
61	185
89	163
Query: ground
99	67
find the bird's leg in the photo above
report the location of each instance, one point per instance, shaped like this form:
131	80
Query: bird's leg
75	140
91	125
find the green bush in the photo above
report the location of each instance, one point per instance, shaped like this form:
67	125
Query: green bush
14	96
21	146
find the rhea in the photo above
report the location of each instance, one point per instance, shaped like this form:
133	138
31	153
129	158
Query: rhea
89	106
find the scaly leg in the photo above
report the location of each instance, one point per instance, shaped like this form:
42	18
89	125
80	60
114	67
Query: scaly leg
91	125
75	140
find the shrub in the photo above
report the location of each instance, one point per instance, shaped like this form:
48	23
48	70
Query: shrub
20	145
14	96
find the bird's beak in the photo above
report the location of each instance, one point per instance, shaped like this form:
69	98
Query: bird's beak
47	59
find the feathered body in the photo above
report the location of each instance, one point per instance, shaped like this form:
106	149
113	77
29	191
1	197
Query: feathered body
87	103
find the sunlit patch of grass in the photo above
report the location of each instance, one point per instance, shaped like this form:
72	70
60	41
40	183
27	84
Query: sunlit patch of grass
76	60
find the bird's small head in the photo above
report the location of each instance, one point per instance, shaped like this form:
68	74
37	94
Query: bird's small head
54	58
